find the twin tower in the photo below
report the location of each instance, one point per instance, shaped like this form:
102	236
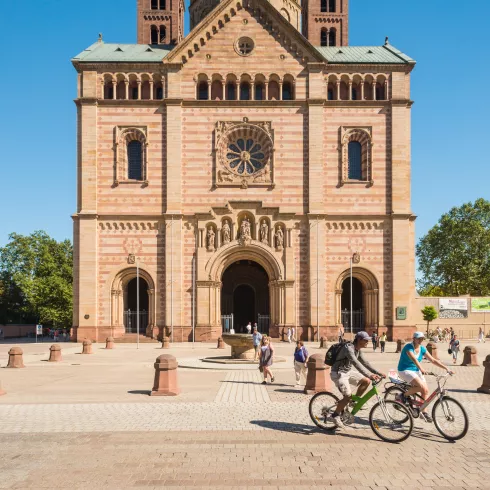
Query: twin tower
322	22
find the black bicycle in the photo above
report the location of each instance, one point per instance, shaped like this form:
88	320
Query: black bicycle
449	416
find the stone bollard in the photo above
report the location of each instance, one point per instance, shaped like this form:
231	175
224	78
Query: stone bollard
165	383
87	347
432	349
166	342
323	343
15	358
400	343
109	343
318	377
485	387
469	356
221	344
55	353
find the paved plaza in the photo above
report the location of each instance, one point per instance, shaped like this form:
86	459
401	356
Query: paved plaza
88	422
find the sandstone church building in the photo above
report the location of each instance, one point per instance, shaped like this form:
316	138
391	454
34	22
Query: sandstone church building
238	171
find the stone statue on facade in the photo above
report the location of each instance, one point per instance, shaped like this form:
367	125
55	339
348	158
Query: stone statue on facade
210	239
245	232
264	232
226	233
279	238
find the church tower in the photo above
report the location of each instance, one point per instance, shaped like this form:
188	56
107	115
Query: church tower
326	22
160	21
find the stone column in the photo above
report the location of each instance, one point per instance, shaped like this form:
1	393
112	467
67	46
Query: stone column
280	89
139	89
362	89
338	306
374	90
209	89
151	89
114	89
237	90
338	89
252	88
350	89
386	90
126	87
266	90
223	86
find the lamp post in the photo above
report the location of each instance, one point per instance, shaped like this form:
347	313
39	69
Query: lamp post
137	304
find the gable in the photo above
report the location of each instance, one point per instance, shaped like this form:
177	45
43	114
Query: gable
263	13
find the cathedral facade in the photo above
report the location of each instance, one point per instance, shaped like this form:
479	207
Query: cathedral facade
256	170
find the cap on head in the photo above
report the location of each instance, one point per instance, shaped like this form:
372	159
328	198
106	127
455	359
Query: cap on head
362	336
419	335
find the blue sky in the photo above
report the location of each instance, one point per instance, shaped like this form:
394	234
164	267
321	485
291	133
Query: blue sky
38	85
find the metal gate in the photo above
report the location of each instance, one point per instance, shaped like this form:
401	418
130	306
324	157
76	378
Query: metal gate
131	321
357	320
227	323
264	323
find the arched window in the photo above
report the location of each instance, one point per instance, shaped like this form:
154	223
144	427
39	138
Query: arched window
331	6
154	35
323	5
202	91
287	91
108	90
330	94
244	91
159	91
134	93
163	34
332	37
354	94
355	160
259	92
380	91
273	90
163	4
323	38
230	91
135	170
154	4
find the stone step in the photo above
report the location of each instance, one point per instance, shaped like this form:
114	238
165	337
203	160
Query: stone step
132	338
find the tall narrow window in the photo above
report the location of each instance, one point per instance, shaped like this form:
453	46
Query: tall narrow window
323	5
134	93
287	91
330	94
230	91
244	91
354	94
163	34
323	38
154	35
159	92
134	161
355	160
202	91
163	4
331	37
259	91
331	6
154	4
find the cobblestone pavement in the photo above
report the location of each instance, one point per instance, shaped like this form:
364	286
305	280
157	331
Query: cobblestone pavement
89	423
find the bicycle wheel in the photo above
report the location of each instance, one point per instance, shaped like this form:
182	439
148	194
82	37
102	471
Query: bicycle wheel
450	418
322	405
391	421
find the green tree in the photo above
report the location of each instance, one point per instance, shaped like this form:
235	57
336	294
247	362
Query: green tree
454	256
429	313
36	276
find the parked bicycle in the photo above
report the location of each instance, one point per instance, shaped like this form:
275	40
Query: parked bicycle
389	420
449	416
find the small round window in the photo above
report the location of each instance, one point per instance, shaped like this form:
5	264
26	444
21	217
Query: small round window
244	46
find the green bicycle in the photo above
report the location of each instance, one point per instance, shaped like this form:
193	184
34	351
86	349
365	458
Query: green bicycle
389	420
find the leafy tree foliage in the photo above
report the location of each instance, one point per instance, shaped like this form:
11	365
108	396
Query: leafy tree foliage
36	275
429	313
454	256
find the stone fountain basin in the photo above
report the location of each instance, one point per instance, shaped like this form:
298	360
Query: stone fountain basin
241	344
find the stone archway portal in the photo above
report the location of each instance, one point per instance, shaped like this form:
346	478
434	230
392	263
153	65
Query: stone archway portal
245	293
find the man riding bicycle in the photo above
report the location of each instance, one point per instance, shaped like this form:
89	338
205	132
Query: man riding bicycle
343	373
411	371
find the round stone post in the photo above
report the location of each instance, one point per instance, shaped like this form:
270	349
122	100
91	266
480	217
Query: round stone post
469	356
221	344
55	353
318	377
165	342
165	383
87	347
400	343
15	358
485	387
432	349
109	343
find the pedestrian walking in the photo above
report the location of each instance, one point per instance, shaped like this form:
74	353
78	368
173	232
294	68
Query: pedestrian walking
481	335
382	341
374	338
341	334
249	328
266	359
454	347
300	360
293	334
256	339
289	334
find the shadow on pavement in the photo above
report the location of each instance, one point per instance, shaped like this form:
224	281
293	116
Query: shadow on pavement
287	427
140	392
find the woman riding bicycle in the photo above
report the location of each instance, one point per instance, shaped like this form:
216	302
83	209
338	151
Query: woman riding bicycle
410	370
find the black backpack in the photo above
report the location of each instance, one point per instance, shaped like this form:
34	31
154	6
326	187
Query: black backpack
333	352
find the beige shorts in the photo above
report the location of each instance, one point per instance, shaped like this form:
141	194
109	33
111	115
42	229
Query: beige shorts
344	380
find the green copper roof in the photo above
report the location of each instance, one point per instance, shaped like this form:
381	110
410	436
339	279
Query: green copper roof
365	54
101	52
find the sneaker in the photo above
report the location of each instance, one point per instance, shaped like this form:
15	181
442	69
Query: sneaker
264	382
272	380
338	422
426	417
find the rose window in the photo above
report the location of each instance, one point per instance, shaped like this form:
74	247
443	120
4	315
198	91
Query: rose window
246	150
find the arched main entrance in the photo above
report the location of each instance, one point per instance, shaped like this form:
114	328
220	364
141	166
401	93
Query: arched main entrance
358	311
245	294
133	311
